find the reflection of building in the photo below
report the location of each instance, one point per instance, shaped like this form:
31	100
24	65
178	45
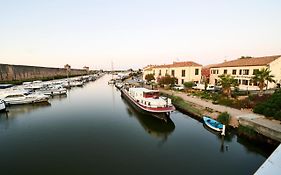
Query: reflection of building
183	71
243	69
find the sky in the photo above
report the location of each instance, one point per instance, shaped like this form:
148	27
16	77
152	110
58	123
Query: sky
135	33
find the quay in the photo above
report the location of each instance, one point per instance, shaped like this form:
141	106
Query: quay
266	127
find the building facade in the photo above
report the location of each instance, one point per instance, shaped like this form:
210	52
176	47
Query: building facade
243	70
183	71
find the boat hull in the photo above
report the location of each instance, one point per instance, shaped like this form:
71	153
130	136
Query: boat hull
161	114
2	106
213	124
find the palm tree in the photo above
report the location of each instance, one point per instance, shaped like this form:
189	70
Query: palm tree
227	81
262	76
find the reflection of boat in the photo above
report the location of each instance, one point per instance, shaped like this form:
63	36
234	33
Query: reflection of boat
149	101
20	109
151	125
21	97
213	124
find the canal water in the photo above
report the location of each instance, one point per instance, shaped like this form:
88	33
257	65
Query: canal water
94	130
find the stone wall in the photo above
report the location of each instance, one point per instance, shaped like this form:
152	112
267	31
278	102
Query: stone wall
21	72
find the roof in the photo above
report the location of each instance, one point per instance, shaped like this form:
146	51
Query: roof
143	90
175	64
254	61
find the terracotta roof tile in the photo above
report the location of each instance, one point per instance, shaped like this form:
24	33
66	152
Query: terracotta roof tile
175	64
255	61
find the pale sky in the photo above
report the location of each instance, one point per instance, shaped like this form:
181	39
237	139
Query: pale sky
135	33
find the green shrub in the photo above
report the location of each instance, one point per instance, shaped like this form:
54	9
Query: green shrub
270	107
277	115
224	118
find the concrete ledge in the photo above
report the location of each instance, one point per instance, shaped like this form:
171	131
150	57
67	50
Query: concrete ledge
268	128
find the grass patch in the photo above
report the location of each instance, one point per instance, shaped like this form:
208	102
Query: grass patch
183	105
248	131
224	118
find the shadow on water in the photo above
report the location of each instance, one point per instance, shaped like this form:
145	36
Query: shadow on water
263	149
152	125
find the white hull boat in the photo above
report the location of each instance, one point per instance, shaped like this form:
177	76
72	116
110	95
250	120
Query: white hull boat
20	97
2	106
148	100
53	90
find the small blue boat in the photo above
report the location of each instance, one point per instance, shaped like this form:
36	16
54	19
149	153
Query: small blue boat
213	124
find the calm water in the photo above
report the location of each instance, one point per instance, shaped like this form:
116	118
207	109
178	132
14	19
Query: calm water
94	131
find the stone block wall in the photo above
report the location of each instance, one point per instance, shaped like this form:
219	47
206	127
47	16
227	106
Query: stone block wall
22	72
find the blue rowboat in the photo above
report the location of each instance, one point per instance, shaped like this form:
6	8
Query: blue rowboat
213	124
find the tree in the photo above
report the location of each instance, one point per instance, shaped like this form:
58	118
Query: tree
188	85
167	80
261	77
227	81
149	77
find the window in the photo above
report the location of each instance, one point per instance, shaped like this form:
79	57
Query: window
255	70
246	72
182	81
159	72
183	73
233	71
240	72
217	71
225	71
216	81
153	72
239	81
173	73
245	82
166	72
196	71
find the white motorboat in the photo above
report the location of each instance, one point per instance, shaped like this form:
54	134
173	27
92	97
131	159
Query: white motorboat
118	85
53	90
21	97
32	85
2	106
112	81
76	83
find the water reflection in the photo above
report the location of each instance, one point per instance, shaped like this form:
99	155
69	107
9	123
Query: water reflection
58	97
153	126
227	138
15	110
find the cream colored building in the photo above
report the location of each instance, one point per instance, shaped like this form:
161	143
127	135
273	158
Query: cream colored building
183	71
243	70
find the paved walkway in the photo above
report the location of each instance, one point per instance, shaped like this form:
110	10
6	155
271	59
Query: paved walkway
196	100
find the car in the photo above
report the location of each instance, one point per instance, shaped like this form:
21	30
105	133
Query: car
202	87
178	87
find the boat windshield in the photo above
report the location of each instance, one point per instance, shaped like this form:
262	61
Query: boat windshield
151	94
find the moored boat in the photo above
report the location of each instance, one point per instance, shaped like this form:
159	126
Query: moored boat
148	101
213	124
21	97
53	90
112	81
118	85
2	106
